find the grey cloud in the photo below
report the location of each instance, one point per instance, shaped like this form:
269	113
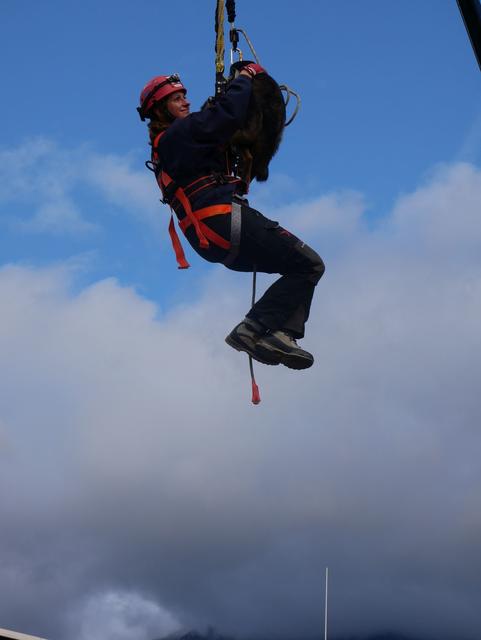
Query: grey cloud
132	461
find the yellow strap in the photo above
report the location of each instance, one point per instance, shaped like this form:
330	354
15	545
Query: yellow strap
219	43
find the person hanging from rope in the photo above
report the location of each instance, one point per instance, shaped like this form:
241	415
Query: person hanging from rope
190	159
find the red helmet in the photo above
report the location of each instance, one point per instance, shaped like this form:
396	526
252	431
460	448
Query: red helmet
156	89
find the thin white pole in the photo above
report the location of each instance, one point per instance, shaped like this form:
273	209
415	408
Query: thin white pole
325	605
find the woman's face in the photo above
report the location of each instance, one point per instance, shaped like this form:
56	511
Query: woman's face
178	105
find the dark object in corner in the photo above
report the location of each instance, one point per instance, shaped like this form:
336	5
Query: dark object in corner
471	13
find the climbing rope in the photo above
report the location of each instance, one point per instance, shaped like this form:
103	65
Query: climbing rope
256	396
220	85
220	80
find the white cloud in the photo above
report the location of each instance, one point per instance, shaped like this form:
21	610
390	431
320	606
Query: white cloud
16	166
54	183
56	216
443	215
131	455
124	186
470	146
122	616
335	213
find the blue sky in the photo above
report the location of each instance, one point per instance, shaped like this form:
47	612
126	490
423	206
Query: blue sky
388	90
142	492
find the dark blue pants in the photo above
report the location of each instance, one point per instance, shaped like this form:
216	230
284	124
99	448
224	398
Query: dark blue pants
269	248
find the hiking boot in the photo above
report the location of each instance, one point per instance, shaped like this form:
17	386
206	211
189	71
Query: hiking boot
245	337
282	347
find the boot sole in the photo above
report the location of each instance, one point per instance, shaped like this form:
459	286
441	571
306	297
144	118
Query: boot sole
290	360
269	358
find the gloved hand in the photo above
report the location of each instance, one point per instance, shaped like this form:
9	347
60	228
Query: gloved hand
252	68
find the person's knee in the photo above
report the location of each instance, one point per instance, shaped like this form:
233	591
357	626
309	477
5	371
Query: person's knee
315	264
318	268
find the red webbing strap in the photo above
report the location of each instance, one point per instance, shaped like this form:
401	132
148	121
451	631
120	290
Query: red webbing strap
215	238
203	232
176	244
179	252
206	212
198	180
165	180
185	202
202	214
202	186
155	155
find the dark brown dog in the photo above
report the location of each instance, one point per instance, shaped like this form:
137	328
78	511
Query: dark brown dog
257	142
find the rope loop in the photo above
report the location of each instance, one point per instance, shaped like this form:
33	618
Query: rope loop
290	92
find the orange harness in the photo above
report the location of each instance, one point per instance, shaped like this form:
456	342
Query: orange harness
192	218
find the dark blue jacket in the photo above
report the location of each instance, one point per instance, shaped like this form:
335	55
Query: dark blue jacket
195	146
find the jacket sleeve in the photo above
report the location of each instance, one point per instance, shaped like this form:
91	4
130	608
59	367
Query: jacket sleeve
216	124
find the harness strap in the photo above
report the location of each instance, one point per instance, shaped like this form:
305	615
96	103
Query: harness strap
201	229
178	250
171	191
185	202
208	212
208	181
216	238
235	232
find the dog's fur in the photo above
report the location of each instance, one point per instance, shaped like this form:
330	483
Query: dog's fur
257	142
